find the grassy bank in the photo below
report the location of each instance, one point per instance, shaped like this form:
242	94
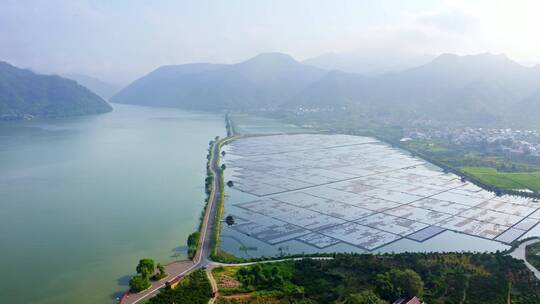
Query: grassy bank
506	180
494	171
216	254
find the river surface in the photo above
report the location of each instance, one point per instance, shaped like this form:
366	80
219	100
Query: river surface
83	199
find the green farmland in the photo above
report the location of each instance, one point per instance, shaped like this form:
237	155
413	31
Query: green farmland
506	180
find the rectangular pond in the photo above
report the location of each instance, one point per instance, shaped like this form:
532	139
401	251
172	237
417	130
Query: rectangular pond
335	193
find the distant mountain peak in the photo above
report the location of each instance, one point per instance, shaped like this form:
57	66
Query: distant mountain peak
272	58
184	65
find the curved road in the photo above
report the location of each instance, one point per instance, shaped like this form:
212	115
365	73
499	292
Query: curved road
519	253
178	269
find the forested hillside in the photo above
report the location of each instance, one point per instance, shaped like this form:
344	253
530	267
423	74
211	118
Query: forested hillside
24	95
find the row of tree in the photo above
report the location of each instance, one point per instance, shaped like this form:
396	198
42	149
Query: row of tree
193	243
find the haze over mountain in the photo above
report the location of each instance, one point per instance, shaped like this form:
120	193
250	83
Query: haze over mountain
25	94
263	81
369	62
104	89
450	87
528	110
474	88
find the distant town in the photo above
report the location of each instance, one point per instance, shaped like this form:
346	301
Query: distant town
508	141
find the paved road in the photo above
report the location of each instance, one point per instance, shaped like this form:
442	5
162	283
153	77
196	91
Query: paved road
174	269
519	253
215	195
181	268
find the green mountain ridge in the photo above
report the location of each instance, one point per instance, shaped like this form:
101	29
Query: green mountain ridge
25	94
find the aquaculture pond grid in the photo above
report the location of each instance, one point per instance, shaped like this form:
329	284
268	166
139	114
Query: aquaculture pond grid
323	190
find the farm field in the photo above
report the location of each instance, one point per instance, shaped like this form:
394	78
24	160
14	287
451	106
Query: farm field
507	180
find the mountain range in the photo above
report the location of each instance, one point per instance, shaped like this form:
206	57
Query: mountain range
25	94
475	88
263	81
482	87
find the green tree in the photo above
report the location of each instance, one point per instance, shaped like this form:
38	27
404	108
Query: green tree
364	297
139	283
410	283
161	269
162	273
193	239
264	277
193	242
146	267
229	220
398	283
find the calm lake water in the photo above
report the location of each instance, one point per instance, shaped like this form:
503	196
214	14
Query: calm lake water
82	199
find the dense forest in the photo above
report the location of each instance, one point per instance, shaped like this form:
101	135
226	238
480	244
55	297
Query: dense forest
360	278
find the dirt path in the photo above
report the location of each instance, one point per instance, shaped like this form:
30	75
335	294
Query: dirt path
214	286
240	296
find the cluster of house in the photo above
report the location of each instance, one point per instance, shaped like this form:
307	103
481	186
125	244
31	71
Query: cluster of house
516	142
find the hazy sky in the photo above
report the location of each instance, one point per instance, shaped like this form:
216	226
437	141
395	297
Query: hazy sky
121	40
